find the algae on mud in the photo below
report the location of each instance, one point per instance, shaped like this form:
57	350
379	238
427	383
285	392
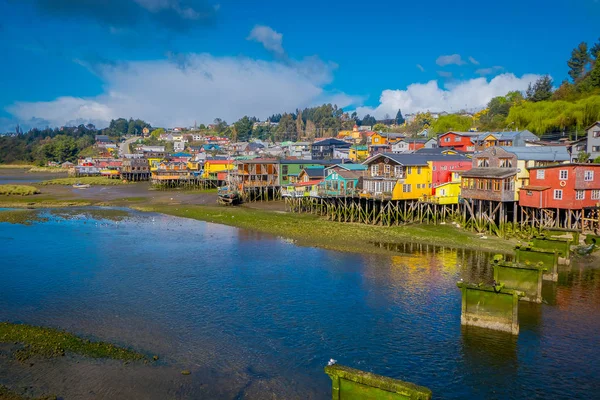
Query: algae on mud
91	180
18	190
7	394
311	230
22	216
49	343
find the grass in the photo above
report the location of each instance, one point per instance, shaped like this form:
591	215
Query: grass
54	170
18	190
91	180
310	230
92	213
7	394
49	343
16	166
40	201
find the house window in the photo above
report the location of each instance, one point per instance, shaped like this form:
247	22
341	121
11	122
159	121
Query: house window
596	194
406	188
505	163
596	134
444	168
374	170
540	174
419	169
446	139
579	194
496	185
434	167
557	194
457	139
564	174
398	171
483	162
595	149
588	176
387	168
408	170
284	169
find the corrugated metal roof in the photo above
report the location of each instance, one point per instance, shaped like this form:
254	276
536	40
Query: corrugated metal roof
489	173
539	153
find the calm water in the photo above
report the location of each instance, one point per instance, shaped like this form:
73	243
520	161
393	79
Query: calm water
254	316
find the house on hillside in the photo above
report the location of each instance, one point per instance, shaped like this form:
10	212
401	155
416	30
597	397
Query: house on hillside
593	140
358	153
324	149
564	186
461	141
397	177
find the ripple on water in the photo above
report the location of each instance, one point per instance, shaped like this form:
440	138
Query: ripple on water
251	315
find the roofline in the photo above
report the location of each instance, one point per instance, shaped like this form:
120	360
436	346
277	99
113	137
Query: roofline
567	165
595	123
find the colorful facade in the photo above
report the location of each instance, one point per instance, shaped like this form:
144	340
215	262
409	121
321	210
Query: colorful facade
564	186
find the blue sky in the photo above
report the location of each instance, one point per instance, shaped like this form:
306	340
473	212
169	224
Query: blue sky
174	62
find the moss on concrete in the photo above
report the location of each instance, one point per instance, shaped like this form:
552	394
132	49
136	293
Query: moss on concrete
350	383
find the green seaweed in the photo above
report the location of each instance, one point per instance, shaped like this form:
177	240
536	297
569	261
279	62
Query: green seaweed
49	343
7	394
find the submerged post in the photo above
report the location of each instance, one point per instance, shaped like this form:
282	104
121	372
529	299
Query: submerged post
526	278
531	255
491	307
349	383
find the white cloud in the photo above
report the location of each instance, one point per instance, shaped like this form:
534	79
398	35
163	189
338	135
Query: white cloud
445	74
489	71
420	67
473	61
269	38
155	6
469	94
194	87
453	59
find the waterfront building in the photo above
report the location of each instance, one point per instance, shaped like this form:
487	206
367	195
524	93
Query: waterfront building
492	176
593	140
564	186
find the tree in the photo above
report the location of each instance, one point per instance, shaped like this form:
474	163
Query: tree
286	130
578	61
452	122
310	129
368	120
399	118
220	125
155	134
595	51
565	91
243	128
583	157
299	125
379	128
596	160
202	127
541	89
594	78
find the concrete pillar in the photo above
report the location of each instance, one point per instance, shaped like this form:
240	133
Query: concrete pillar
526	278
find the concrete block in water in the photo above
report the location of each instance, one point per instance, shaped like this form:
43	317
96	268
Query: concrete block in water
349	383
562	246
526	278
564	233
490	307
528	255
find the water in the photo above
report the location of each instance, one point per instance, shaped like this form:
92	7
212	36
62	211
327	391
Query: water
253	316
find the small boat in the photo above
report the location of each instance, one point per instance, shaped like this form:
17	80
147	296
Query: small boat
228	196
82	185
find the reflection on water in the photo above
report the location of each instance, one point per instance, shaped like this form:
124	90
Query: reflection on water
254	316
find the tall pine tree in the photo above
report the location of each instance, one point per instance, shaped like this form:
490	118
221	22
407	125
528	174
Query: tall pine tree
399	118
578	61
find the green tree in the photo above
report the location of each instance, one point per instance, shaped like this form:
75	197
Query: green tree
541	89
594	78
595	51
299	125
583	157
220	125
379	127
578	61
564	92
155	134
452	122
399	118
243	128
368	120
286	130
